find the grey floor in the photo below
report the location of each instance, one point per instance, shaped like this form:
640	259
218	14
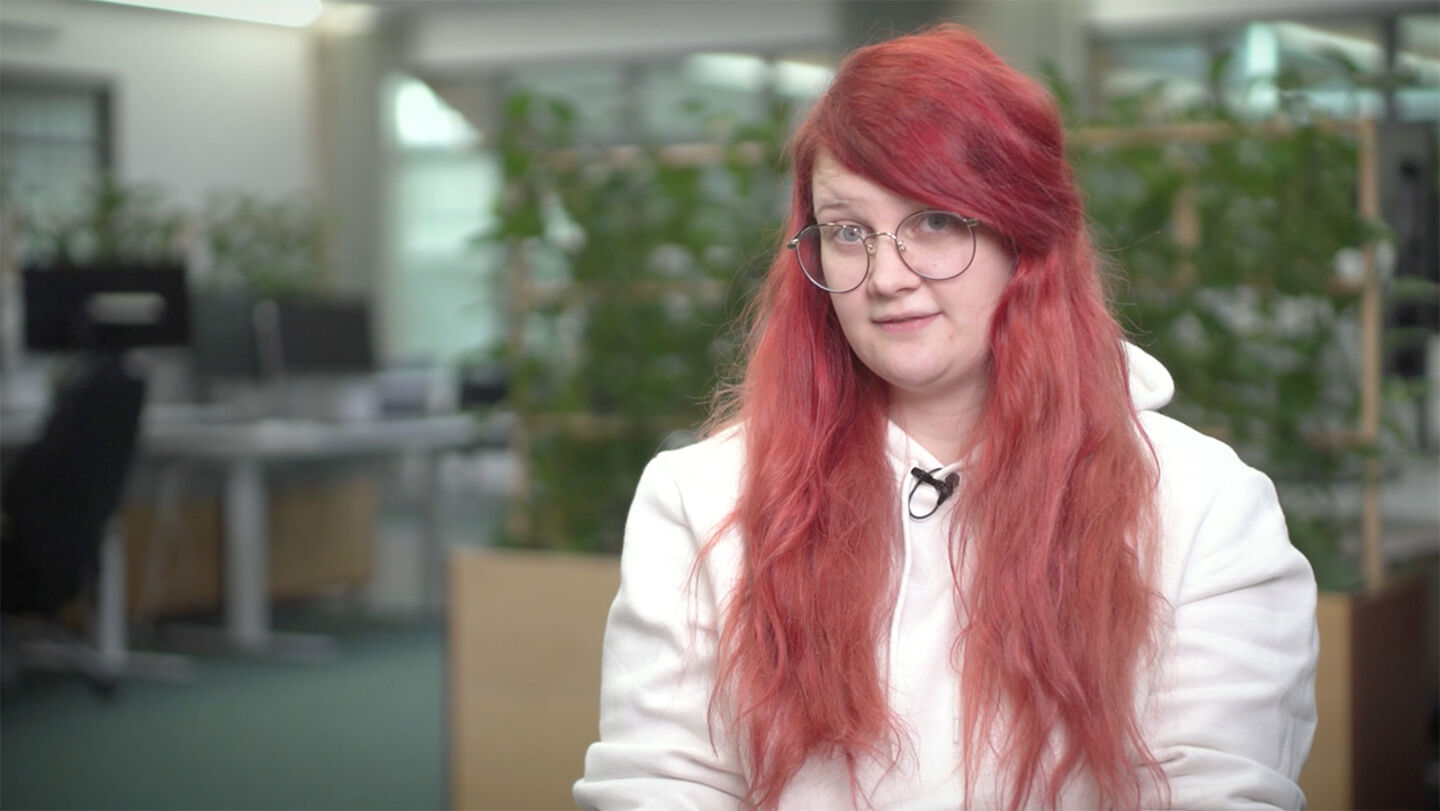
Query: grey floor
363	730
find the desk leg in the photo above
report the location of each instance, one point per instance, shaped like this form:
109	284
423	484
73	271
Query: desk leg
247	579
111	636
432	539
247	556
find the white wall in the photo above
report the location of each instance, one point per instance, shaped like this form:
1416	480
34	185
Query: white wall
199	103
496	33
1117	17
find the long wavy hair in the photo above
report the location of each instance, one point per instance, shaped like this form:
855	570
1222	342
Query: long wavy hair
1056	511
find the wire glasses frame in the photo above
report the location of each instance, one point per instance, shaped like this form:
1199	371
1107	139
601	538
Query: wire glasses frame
934	244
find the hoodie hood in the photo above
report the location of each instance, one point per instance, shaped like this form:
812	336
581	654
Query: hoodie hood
1151	386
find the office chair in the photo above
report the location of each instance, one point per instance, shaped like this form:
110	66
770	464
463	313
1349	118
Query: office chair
58	536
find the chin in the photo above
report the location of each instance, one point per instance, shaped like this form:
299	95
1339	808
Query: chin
916	382
932	381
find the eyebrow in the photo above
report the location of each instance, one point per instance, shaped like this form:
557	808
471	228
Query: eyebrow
842	206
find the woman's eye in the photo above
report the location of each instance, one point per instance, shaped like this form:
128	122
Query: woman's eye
938	221
849	234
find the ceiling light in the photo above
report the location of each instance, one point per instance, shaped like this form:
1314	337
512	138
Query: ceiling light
295	13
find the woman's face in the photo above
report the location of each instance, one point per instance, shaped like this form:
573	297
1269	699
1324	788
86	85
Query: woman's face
929	340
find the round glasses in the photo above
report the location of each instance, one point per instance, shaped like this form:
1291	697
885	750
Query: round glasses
935	245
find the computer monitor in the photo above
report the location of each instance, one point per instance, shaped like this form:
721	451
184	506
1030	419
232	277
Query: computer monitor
239	337
105	307
223	346
324	336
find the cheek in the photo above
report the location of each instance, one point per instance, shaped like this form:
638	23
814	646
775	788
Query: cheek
973	311
848	311
991	289
985	318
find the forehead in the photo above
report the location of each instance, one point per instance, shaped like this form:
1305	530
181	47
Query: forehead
832	186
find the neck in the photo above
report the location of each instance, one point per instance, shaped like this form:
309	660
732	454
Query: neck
941	425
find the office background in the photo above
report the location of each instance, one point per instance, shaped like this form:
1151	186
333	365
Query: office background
380	119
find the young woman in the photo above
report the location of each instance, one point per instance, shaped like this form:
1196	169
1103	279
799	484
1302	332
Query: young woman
940	550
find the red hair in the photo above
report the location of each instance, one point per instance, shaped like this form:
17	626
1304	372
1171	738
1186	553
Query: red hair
1057	507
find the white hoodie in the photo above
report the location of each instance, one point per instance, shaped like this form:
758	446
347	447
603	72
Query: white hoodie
1228	710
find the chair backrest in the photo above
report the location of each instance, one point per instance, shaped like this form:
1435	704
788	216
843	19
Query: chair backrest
64	486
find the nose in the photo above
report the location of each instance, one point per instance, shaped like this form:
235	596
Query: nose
889	275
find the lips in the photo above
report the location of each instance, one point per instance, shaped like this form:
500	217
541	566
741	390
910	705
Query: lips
907	322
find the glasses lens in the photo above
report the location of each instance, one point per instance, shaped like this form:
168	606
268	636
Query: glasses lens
833	256
938	244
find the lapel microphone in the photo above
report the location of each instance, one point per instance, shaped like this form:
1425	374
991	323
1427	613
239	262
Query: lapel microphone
943	489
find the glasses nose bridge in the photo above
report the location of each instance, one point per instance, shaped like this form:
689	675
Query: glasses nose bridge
874	239
871	249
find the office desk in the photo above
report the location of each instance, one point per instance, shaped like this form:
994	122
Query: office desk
243	449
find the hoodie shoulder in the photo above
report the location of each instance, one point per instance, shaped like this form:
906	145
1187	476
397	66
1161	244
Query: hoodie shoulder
703	477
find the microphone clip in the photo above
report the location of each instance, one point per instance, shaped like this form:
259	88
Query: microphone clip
943	489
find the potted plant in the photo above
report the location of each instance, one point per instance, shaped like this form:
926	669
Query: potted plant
625	269
1250	253
267	247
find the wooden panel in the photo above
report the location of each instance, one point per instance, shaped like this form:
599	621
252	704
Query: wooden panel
1370	694
322	534
172	562
523	661
1326	778
1389	700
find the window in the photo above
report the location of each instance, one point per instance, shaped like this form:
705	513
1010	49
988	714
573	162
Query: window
1310	60
440	302
54	140
445	294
